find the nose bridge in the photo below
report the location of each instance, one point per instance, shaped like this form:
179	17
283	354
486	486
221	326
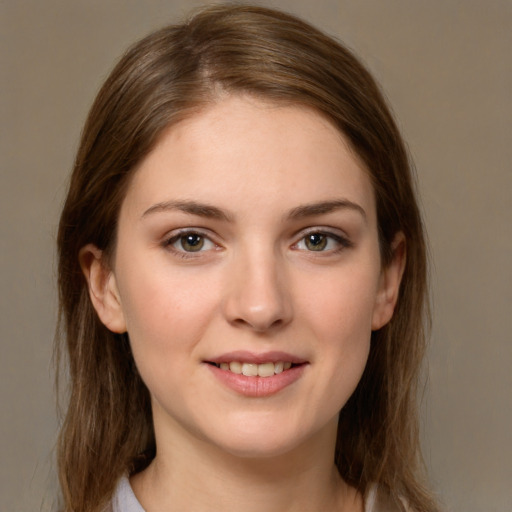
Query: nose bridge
257	295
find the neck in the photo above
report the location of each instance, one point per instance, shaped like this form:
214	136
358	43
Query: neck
189	474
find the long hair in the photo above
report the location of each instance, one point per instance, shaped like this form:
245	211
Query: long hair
164	78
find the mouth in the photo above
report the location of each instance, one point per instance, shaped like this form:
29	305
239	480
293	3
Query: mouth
257	374
264	370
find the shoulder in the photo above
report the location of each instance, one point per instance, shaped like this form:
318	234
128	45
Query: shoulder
123	499
377	499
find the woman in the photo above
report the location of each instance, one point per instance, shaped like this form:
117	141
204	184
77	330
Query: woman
242	280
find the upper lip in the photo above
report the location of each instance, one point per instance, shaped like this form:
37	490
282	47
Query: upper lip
244	356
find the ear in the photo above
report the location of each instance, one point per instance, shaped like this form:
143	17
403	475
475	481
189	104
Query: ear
102	288
389	284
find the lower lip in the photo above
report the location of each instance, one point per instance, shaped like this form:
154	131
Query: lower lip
258	386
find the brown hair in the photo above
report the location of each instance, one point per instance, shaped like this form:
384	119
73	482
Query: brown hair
164	78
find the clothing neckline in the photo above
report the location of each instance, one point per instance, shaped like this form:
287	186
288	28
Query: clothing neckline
124	499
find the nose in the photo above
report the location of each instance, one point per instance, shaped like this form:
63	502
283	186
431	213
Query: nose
258	297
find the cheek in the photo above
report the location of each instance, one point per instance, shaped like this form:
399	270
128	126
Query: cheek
340	313
342	304
166	314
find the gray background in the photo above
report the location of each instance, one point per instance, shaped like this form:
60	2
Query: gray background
446	68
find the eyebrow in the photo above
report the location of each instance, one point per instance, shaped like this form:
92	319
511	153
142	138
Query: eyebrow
212	212
323	207
192	207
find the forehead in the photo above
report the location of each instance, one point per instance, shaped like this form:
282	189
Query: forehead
243	151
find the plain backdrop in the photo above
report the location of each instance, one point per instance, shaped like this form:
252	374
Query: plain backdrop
445	65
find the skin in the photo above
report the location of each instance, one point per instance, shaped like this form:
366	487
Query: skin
255	285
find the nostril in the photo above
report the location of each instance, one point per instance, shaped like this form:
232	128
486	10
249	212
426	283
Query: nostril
257	301
259	325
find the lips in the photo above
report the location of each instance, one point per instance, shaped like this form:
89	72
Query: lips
245	356
257	375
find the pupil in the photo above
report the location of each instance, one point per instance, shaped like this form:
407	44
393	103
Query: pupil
316	242
192	243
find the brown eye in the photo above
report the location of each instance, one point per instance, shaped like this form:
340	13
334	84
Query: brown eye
191	242
316	241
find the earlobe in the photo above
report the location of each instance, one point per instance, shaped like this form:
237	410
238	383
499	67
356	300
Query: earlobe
102	288
389	284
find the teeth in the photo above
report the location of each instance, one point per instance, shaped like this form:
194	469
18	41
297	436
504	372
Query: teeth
235	367
255	370
278	367
250	370
266	369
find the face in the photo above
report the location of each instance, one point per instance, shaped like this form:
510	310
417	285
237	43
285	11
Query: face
247	275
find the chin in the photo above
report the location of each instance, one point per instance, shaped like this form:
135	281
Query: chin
264	439
258	449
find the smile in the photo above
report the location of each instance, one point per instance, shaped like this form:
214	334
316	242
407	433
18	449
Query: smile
267	369
257	374
260	379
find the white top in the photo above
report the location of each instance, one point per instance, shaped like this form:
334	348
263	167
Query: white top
124	499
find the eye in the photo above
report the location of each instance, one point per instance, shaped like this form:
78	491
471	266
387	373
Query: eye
319	241
190	241
316	241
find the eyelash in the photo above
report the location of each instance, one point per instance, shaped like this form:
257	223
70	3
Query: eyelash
181	235
342	242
